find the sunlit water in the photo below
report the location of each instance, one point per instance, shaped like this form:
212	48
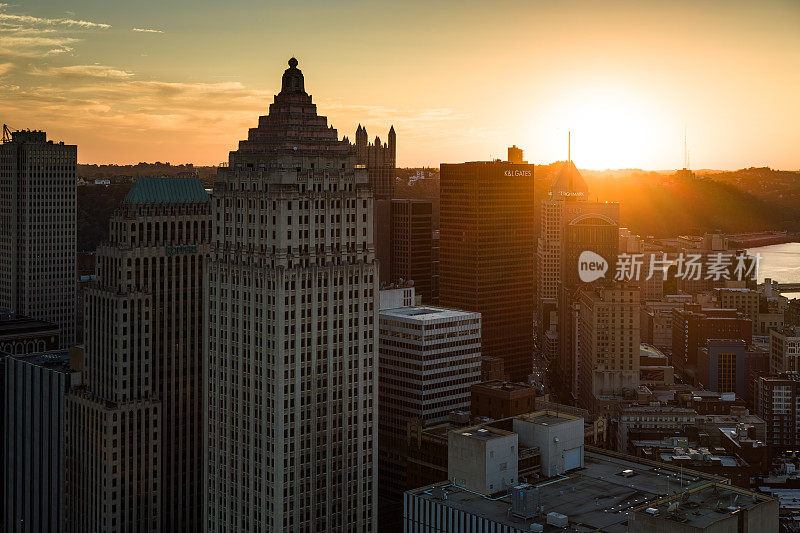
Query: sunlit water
780	262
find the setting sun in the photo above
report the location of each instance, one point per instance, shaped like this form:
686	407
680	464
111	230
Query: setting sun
612	127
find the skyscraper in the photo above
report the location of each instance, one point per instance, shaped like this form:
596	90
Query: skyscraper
412	244
486	255
607	319
570	225
292	289
37	230
135	428
34	390
429	358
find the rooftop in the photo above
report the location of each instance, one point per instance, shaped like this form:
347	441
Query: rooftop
483	432
547	418
499	384
425	314
20	324
57	360
595	498
702	506
149	190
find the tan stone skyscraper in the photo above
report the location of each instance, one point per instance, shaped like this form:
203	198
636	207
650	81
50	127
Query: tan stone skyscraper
292	285
37	230
134	436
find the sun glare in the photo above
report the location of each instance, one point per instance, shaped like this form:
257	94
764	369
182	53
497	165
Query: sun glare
611	128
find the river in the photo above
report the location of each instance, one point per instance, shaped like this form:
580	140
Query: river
780	262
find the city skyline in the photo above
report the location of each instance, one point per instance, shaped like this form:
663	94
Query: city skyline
160	82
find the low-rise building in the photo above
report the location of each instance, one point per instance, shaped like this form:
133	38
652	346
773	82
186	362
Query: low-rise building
501	399
606	495
22	335
728	365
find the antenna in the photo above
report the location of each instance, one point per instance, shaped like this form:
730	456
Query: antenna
569	146
6	134
685	150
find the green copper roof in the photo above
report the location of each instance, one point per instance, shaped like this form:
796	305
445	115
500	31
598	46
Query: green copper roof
167	191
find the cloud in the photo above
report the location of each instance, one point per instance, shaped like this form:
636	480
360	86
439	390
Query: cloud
83	71
62	50
27	19
5	67
23	45
147	30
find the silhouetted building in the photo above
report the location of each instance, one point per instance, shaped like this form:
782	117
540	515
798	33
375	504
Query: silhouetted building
135	434
37	230
412	246
570	226
515	155
34	392
293	309
380	160
486	259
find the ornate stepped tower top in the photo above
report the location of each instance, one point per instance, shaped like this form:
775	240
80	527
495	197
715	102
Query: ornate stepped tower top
292	125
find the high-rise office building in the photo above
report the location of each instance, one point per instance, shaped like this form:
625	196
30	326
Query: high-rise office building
486	255
570	225
607	342
37	230
429	358
292	290
412	246
135	428
34	393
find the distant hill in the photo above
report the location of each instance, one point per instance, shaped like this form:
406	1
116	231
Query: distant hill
119	173
652	203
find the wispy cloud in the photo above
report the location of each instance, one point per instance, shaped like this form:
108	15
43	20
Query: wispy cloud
147	30
27	19
83	71
5	67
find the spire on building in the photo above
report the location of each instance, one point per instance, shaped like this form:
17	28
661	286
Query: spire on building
569	179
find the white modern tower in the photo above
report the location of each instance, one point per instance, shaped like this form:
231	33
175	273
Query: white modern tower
292	284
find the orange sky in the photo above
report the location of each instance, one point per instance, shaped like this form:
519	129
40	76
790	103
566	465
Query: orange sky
181	81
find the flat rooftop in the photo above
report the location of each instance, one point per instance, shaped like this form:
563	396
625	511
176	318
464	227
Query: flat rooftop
547	418
56	360
24	324
703	506
597	497
499	384
426	313
483	433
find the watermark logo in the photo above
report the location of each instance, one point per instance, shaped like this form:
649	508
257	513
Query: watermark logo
716	266
591	266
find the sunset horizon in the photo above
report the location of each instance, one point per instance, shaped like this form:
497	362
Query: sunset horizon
629	80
